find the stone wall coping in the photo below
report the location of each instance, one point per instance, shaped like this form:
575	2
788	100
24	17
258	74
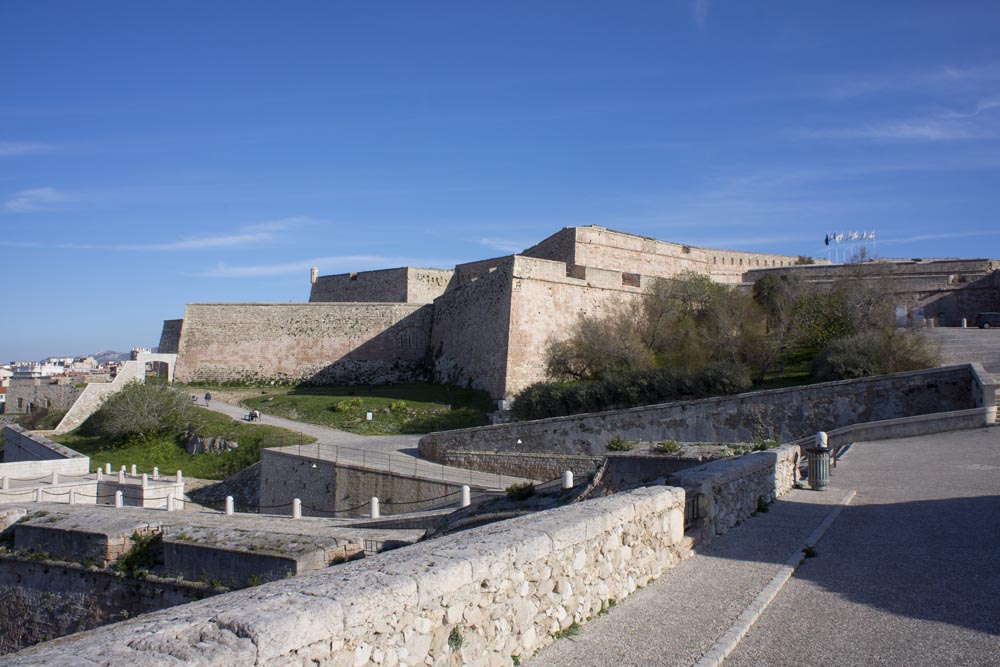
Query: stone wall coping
940	418
62	450
941	370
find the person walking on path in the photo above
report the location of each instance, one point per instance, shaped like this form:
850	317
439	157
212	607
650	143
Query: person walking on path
208	397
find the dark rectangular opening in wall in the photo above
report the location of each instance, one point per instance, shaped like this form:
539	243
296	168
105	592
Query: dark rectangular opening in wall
631	279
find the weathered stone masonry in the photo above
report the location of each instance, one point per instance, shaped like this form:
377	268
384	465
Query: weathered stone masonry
487	324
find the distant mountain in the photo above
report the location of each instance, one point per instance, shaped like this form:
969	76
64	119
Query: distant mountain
111	355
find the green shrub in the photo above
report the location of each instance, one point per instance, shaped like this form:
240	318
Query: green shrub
348	404
872	353
397	406
520	491
620	444
140	410
668	447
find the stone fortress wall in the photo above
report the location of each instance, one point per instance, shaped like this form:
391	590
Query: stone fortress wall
487	324
319	342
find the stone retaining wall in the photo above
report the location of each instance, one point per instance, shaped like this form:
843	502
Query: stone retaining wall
784	414
31	448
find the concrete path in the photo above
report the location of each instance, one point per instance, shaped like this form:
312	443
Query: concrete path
906	574
963	346
391	453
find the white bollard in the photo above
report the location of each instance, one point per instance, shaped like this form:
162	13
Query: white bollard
170	503
145	480
821	440
466	495
54	479
567	479
134	473
229	505
156	472
4	483
965	323
373	512
123	468
72	497
296	509
100	474
107	468
121	475
119	500
38	495
180	476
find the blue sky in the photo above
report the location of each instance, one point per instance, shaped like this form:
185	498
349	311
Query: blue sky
157	154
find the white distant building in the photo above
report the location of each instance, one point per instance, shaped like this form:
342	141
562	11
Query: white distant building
37	369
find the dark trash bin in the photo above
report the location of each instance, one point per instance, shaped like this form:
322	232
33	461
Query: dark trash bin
818	467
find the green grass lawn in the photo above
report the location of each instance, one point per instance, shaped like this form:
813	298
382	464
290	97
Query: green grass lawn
167	451
415	407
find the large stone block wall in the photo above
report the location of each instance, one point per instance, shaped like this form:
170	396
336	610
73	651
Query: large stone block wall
330	487
45	600
402	285
170	336
470	335
503	589
385	285
786	414
545	307
317	342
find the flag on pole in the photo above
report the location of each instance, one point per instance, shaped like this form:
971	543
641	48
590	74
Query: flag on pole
826	241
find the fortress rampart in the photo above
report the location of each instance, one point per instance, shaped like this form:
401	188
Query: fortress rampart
487	324
319	342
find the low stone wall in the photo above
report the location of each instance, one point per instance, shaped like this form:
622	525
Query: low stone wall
783	414
731	488
43	600
541	467
326	487
25	446
486	596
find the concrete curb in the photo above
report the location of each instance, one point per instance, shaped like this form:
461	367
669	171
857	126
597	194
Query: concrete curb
728	642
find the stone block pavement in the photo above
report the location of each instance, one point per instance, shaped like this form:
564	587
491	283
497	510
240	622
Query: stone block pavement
906	573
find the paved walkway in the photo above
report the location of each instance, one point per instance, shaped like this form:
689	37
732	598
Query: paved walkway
906	574
391	453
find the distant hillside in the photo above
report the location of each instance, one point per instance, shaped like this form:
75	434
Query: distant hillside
111	355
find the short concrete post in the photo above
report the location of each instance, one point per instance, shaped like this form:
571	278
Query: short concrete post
107	468
180	476
121	476
72	497
4	483
156	472
145	480
119	500
170	503
100	474
567	479
466	495
123	469
965	323
54	479
822	440
296	508
134	472
373	511
38	495
229	505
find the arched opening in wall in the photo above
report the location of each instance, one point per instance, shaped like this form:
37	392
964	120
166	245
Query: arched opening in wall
741	261
157	369
731	261
715	260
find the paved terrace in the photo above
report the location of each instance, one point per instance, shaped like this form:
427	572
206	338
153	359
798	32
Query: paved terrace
385	453
906	573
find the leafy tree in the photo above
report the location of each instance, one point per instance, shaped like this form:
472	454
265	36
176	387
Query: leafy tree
141	410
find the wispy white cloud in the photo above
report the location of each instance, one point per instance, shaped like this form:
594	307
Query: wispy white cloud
336	264
35	200
940	237
18	148
700	12
503	245
247	235
934	80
